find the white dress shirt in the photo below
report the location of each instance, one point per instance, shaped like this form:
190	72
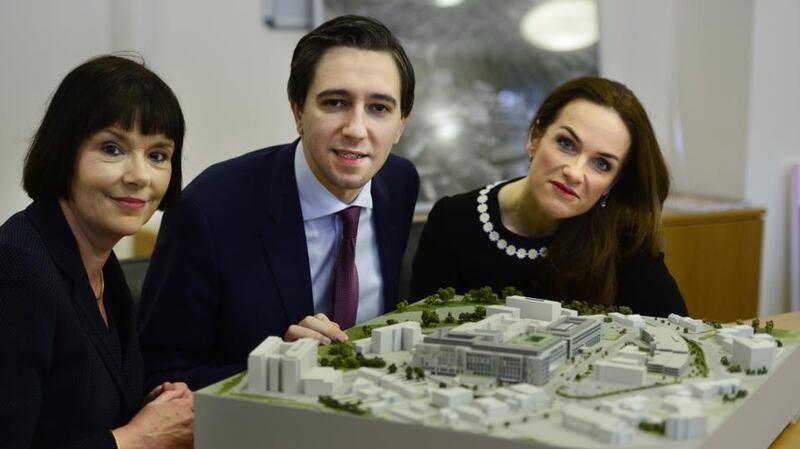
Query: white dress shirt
323	234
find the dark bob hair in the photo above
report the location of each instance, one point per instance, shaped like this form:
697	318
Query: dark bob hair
102	92
363	33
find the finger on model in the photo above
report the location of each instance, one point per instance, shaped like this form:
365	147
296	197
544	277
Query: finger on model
296	332
328	328
323	317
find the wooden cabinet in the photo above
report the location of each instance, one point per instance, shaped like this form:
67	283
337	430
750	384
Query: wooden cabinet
716	259
144	241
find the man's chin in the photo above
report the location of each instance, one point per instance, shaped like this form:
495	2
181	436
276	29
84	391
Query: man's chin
348	186
350	181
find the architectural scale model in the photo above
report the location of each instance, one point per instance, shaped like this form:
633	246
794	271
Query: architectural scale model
470	372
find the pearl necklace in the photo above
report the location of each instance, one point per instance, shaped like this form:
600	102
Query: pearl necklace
494	236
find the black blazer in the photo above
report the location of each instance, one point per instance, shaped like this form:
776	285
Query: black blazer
230	266
65	379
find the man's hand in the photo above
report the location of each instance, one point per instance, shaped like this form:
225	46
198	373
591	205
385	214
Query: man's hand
318	327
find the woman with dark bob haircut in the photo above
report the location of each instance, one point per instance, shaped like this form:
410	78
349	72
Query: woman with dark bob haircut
584	224
106	155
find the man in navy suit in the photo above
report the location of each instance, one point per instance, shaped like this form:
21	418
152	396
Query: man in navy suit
253	247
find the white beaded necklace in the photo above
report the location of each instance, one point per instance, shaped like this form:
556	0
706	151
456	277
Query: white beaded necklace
488	228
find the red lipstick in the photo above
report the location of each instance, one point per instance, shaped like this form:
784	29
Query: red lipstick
564	189
130	203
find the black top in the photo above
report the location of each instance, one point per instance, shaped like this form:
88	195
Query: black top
460	247
66	379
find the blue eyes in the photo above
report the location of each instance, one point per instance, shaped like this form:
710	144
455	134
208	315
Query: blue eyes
566	145
602	165
155	156
111	149
158	157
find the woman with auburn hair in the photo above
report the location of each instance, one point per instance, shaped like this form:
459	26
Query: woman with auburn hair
106	155
584	224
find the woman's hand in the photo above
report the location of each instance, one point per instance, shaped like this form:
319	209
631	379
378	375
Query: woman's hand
166	421
166	386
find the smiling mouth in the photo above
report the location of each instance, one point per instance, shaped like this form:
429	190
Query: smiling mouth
130	203
349	155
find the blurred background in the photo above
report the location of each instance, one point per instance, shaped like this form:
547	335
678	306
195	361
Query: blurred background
719	79
483	69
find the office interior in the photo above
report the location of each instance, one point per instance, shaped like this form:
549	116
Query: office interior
719	79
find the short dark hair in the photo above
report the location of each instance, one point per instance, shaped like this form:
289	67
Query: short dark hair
364	33
103	91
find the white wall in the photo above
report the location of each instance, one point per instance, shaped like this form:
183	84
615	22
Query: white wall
726	68
40	41
729	71
713	58
228	70
772	142
690	66
637	48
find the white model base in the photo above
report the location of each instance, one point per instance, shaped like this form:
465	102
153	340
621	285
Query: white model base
701	408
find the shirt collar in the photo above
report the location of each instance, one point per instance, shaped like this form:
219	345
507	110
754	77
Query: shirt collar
317	201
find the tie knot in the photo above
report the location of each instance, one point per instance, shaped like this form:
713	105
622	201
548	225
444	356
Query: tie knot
350	217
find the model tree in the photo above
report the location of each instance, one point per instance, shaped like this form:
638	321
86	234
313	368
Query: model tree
483	295
509	291
431	300
402	306
446	294
625	310
429	318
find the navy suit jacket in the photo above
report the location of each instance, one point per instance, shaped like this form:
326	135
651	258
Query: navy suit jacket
64	381
230	265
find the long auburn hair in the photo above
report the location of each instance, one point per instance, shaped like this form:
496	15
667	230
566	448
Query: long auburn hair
585	249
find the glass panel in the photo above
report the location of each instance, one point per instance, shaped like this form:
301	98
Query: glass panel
479	81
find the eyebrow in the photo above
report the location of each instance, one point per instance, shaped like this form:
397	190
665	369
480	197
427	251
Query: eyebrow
161	143
578	139
344	93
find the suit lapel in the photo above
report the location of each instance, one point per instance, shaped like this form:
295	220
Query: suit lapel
283	236
385	228
49	221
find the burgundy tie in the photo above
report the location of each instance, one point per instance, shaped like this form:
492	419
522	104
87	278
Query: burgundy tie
345	277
